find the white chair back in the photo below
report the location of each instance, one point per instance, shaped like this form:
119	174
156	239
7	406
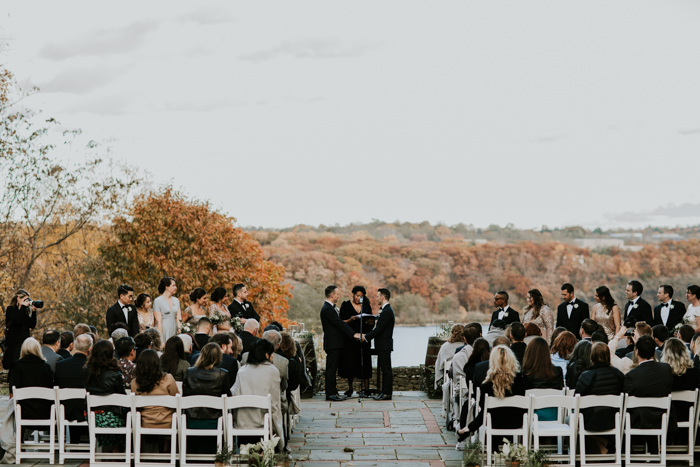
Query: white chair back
631	403
606	401
73	450
94	402
685	451
519	402
248	402
145	401
192	402
40	450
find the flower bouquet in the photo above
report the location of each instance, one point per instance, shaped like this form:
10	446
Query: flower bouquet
187	328
217	317
236	324
512	454
261	454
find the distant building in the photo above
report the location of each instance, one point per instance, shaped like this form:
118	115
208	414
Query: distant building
660	237
594	243
630	235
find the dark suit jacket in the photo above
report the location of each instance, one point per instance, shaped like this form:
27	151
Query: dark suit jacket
573	323
69	375
64	353
518	349
649	379
513	316
334	329
248	340
116	315
383	332
675	315
641	313
201	339
237	310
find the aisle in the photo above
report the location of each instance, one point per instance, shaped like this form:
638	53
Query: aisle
407	431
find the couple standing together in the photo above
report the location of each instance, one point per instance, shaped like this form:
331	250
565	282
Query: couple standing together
335	332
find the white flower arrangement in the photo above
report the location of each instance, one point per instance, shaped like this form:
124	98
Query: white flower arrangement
262	453
236	324
512	452
217	317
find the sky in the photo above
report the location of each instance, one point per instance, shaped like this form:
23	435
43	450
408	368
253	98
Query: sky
282	113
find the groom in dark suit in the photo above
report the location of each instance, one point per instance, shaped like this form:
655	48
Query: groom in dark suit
504	311
572	312
334	332
123	311
670	312
636	309
240	306
383	335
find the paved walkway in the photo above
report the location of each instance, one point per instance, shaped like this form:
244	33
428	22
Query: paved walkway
406	431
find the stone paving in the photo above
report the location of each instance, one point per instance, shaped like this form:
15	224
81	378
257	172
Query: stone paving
406	431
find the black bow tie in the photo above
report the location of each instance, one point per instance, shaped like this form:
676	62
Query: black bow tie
667	304
571	303
500	309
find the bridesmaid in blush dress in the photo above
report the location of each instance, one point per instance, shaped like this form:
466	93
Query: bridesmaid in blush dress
167	309
605	312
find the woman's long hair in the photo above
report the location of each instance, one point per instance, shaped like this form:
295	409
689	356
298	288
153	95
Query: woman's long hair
675	353
537	303
172	354
101	359
148	372
537	362
259	352
210	356
503	367
31	346
606	298
564	344
581	356
480	353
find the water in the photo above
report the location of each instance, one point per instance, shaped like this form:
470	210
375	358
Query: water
410	344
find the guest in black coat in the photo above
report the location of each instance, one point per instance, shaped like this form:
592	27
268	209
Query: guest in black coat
579	362
20	317
648	379
572	312
517	335
249	334
123	311
504	312
228	361
383	338
670	312
66	345
31	370
356	359
240	306
69	374
334	333
636	309
204	328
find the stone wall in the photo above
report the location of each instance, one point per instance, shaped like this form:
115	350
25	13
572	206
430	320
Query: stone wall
406	378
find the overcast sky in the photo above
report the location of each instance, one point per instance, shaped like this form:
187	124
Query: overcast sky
281	113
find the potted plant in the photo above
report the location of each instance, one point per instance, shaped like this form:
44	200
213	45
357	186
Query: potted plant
260	454
538	458
222	457
512	454
473	454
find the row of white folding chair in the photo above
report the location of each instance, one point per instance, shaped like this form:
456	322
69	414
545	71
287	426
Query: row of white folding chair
447	402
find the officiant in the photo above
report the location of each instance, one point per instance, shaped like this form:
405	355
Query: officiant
356	361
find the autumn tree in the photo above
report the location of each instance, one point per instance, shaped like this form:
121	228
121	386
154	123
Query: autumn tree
167	234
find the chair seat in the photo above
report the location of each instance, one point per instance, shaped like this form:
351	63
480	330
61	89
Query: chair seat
552	427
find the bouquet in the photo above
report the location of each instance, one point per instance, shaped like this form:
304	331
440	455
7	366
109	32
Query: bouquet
512	452
236	324
187	328
217	317
261	454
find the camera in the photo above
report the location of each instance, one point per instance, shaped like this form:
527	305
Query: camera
629	333
37	304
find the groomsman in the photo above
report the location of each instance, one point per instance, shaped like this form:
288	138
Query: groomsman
637	309
669	312
123	311
383	334
504	311
240	306
334	332
572	312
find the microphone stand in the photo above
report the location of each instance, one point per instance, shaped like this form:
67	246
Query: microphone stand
362	391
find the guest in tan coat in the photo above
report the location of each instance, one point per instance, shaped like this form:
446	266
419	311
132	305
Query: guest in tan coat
150	380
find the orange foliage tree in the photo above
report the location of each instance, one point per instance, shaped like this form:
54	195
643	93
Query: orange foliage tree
169	235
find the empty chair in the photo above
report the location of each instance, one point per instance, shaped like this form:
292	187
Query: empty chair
563	426
209	403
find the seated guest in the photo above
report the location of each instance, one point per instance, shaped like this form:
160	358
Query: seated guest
258	377
102	377
600	379
204	329
157	340
228	363
470	334
628	361
588	327
80	328
69	374
31	370
281	363
127	355
482	368
555	334
187	343
481	353
540	373
142	342
205	378
288	350
119	330
502	380
173	359
531	331
52	342
150	380
599	336
497	329
249	333
685	377
660	333
562	347
93	330
236	345
685	334
648	379
695	349
579	362
447	352
517	335
66	345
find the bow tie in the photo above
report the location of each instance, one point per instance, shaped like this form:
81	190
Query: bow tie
571	303
500	309
667	304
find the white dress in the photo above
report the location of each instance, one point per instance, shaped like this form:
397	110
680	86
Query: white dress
691	313
168	316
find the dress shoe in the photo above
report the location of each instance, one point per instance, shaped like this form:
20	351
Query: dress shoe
348	393
382	397
335	398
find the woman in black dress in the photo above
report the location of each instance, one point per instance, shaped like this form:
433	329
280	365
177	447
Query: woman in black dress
350	367
20	317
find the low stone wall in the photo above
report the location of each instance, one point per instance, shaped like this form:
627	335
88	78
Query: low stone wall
406	378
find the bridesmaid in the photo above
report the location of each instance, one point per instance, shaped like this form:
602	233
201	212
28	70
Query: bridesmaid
167	309
198	309
606	312
144	305
351	366
219	298
539	313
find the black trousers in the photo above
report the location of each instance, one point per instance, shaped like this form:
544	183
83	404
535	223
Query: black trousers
384	365
332	362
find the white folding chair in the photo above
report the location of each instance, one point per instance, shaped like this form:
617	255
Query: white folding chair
170	402
545	393
462	394
179	386
610	401
248	402
490	403
558	428
192	402
447	389
116	400
41	450
72	450
685	452
631	402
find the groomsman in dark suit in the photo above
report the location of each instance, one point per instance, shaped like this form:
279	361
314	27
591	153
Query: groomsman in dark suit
572	312
383	335
504	311
240	306
123	311
334	332
636	309
670	312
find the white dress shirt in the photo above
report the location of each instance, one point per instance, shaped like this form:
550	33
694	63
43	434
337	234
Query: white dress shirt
665	310
631	307
570	307
502	312
125	310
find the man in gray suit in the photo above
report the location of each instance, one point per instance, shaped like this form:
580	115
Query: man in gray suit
52	342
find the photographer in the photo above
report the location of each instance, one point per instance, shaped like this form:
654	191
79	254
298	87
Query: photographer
20	317
626	363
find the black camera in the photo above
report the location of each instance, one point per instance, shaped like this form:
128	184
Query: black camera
37	304
629	333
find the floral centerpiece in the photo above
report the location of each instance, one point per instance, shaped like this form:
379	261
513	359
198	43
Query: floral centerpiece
306	335
261	454
512	454
445	330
